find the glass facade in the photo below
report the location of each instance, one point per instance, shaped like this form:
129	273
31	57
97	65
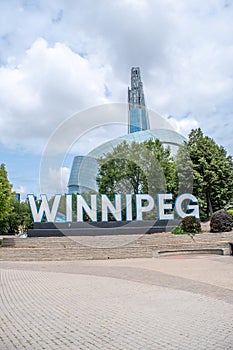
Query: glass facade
83	174
85	169
138	115
138	120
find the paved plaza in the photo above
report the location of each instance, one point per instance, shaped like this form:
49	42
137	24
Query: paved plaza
176	302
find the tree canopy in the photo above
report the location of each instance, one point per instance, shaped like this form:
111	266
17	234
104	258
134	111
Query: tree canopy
6	194
201	166
19	218
135	168
212	172
13	214
145	167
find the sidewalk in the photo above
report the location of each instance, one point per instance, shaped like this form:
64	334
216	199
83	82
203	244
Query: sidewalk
165	303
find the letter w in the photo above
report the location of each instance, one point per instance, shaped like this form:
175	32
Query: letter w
44	208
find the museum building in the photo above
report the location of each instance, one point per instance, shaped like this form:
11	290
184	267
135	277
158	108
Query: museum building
85	168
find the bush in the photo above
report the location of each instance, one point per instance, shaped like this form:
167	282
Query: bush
178	230
230	211
221	221
189	225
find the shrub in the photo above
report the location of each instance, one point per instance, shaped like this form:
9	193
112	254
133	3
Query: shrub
189	225
221	221
230	211
178	230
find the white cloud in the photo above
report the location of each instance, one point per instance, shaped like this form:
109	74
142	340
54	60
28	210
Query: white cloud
97	136
23	191
184	126
58	180
48	86
184	48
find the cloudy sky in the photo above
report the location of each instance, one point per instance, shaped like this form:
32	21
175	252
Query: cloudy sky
60	57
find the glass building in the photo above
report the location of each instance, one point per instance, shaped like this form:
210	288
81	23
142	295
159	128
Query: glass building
85	168
138	115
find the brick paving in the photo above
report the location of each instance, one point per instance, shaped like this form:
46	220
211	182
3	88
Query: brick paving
164	303
113	247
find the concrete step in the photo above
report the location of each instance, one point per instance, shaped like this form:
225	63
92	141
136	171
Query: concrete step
82	252
111	241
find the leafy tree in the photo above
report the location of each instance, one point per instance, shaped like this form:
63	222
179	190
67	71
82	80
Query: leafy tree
184	167
119	171
212	171
6	194
145	167
13	214
19	217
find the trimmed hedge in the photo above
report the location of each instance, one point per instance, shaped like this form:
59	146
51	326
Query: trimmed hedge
221	221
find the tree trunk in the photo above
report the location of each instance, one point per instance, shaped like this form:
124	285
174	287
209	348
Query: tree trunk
209	204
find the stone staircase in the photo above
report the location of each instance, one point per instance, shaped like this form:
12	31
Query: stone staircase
113	247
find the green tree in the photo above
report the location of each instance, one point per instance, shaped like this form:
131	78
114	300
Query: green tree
13	214
119	172
6	194
212	172
20	217
184	167
145	167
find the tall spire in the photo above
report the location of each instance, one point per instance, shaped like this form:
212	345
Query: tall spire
138	115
